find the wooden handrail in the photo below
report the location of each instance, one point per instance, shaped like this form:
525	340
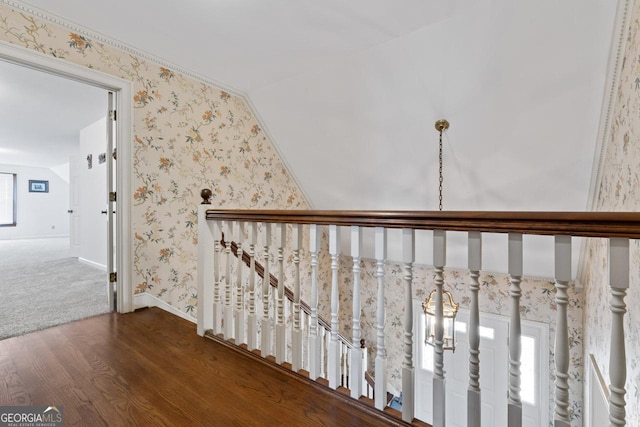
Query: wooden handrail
585	224
288	293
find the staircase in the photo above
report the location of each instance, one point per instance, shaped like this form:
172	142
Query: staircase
346	346
258	318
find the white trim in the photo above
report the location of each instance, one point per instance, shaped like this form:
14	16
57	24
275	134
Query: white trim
148	300
51	236
123	88
93	264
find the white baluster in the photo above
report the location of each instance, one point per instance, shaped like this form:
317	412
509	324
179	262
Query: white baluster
365	365
473	392
327	344
239	307
252	322
346	365
296	336
266	325
380	392
228	289
205	271
333	368
618	283
305	339
217	300
439	261
515	275
356	374
314	340
408	257
563	276
281	329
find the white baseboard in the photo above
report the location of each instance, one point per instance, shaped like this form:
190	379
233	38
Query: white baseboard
148	300
49	236
93	263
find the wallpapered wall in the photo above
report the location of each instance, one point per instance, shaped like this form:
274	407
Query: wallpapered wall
187	136
537	303
619	191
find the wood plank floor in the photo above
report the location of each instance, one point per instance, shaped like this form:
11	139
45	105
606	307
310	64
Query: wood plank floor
149	368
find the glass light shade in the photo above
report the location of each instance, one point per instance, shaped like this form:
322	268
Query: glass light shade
450	310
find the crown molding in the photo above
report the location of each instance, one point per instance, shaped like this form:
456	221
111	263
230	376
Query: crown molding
619	37
609	99
79	29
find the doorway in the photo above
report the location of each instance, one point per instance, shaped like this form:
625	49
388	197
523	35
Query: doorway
494	363
120	243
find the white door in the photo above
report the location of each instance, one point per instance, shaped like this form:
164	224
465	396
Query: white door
494	362
74	206
493	372
494	369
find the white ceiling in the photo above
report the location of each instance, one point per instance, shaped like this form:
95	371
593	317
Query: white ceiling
349	91
41	116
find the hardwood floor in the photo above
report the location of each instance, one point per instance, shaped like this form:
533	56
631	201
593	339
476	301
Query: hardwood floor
149	368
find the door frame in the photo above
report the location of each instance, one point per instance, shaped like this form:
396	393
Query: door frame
124	165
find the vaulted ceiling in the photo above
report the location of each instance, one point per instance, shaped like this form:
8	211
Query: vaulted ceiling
349	91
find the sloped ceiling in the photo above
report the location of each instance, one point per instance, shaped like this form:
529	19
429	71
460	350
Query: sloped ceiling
350	91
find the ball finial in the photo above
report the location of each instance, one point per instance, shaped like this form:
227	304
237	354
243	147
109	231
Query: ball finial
206	195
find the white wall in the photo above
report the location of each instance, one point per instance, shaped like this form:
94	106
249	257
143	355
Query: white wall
39	214
93	194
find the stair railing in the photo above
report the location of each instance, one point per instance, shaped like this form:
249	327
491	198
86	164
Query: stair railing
618	228
346	346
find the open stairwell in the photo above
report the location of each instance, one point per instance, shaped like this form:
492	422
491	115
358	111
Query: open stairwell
394	402
268	321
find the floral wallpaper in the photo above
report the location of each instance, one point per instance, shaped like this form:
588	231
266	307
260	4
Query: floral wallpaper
187	136
619	191
537	303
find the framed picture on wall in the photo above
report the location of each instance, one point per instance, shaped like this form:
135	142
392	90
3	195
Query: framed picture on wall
37	186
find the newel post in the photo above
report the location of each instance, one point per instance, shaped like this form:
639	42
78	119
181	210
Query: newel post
205	265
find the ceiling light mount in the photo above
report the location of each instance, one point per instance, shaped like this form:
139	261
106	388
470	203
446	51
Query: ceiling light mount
442	125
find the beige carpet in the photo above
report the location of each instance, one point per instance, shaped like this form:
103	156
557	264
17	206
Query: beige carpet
42	286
